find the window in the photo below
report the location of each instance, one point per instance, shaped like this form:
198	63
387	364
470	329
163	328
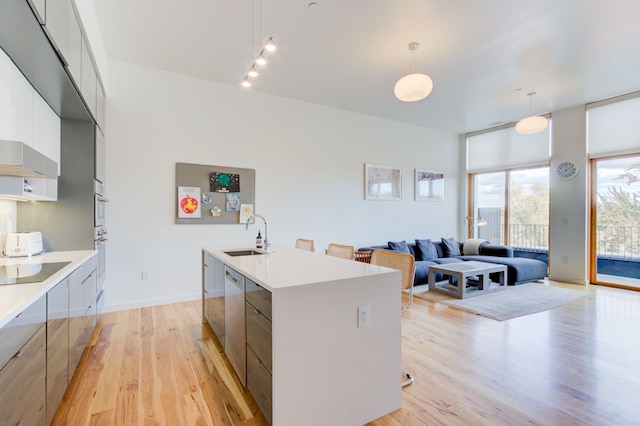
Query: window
509	186
515	205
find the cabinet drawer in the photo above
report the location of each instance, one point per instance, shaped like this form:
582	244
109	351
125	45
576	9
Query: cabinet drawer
259	335
259	298
22	379
259	383
19	330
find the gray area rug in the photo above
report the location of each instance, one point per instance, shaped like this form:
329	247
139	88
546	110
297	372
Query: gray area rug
516	301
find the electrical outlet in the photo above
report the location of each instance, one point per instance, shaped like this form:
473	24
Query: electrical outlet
145	275
565	259
364	315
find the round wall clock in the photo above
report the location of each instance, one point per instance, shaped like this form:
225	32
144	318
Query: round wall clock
567	170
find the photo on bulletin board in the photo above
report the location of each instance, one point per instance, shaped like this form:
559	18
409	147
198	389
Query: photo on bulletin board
233	201
188	202
225	182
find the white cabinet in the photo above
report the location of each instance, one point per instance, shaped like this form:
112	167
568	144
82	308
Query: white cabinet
46	129
16	103
88	87
39	8
65	33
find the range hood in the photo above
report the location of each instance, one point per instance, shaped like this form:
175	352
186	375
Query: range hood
19	159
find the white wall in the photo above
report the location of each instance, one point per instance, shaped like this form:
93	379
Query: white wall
309	163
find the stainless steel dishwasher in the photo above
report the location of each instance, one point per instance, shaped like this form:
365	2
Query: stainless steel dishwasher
234	322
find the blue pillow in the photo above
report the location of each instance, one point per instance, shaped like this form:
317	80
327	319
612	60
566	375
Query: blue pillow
450	247
428	249
400	246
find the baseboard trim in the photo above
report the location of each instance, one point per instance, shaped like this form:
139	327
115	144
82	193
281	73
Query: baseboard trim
153	302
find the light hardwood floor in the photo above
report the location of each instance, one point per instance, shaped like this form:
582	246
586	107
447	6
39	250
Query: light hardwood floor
578	364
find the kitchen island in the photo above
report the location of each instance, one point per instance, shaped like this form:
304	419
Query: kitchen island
335	335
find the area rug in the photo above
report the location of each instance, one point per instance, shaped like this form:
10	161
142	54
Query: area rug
516	301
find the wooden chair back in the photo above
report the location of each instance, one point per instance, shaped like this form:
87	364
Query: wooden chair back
303	244
404	262
340	250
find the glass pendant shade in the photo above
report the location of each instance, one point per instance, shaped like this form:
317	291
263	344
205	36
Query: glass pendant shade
413	87
261	60
253	72
531	125
246	82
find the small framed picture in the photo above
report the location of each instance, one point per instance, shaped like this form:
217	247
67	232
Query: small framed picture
382	182
429	186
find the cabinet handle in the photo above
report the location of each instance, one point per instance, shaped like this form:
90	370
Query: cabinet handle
205	291
258	361
18	354
85	280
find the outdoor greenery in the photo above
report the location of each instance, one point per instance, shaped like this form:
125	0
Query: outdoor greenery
618	217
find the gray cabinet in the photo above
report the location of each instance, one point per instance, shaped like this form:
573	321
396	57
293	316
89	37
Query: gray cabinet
234	322
259	346
57	345
23	367
82	310
213	294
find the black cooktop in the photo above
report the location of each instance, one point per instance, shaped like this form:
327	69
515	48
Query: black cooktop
16	274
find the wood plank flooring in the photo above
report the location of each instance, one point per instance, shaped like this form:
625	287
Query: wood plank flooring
574	365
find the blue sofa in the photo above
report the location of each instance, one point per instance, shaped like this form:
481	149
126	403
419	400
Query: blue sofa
519	269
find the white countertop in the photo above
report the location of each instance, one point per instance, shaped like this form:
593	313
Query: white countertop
286	267
14	298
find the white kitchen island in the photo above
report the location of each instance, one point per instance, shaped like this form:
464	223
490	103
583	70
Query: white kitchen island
325	368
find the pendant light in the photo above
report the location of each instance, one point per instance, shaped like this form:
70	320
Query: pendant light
533	123
415	86
268	47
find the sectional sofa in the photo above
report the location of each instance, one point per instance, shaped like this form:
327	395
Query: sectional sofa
448	250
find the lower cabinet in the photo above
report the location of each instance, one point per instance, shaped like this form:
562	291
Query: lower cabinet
82	310
57	345
259	346
213	294
23	368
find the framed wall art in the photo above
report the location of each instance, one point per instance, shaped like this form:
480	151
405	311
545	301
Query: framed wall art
382	182
429	186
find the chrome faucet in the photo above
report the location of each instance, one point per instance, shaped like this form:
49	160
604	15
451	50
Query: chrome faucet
267	244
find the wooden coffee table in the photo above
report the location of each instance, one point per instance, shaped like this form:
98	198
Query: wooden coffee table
464	270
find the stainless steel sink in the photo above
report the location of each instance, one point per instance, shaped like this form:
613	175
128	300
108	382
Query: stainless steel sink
235	253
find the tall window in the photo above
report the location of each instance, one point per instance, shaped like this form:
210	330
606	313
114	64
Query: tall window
614	151
509	179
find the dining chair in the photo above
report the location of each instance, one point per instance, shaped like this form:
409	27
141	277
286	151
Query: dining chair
404	262
301	243
340	250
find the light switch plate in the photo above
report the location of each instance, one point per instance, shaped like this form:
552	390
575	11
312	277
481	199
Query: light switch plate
364	315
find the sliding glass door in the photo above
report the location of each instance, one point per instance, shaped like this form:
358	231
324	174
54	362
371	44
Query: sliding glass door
615	221
514	206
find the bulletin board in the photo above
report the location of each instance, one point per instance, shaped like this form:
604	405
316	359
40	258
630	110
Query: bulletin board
214	194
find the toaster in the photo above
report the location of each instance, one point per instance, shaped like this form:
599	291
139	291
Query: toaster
23	244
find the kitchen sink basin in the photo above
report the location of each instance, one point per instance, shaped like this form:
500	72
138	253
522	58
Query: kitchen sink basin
235	253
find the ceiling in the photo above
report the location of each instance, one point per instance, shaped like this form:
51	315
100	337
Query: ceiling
483	56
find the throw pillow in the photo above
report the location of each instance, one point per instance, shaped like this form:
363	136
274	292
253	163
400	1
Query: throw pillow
400	246
427	249
450	247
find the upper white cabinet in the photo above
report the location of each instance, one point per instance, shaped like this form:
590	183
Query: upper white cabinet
46	129
39	9
89	80
64	31
16	103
